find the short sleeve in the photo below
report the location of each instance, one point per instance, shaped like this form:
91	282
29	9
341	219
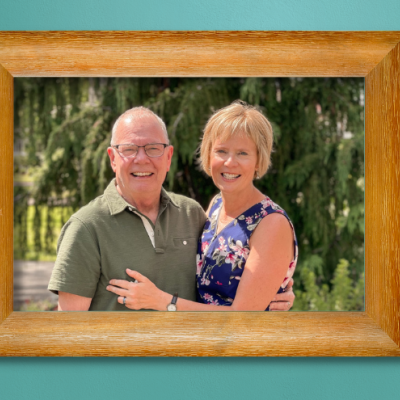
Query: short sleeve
77	267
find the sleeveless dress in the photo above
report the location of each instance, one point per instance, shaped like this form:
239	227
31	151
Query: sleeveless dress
221	258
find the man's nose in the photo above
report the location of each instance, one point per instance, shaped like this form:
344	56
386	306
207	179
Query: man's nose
141	155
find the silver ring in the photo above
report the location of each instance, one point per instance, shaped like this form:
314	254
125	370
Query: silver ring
288	303
123	301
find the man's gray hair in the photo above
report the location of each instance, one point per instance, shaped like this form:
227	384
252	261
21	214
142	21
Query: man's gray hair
137	113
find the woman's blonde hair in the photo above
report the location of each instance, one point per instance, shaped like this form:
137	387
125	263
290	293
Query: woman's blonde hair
239	118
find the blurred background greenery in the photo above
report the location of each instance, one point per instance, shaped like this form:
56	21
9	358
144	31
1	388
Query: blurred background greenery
62	131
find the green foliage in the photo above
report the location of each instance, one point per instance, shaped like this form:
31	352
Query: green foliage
345	294
39	244
317	172
20	219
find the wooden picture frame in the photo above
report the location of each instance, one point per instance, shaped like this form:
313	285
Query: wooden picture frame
373	55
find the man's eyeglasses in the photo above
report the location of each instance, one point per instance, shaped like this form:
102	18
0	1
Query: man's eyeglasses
130	150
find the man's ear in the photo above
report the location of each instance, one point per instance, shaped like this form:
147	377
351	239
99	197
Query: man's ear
111	155
170	152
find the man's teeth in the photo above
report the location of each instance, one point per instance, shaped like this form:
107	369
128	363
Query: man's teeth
230	176
142	173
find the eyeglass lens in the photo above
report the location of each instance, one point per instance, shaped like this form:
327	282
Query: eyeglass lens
152	150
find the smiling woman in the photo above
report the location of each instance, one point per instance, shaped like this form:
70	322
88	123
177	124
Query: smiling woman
251	249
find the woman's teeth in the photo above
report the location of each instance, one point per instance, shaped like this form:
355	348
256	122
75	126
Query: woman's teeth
230	176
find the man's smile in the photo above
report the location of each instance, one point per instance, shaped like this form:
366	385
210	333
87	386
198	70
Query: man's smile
142	174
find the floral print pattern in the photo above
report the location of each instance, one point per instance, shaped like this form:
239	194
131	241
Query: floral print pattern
222	257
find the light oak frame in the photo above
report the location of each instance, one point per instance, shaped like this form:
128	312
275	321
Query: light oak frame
372	55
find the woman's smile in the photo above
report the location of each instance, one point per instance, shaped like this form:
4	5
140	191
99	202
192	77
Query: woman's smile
230	177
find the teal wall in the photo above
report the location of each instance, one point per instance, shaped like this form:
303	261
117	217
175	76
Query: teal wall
199	15
236	378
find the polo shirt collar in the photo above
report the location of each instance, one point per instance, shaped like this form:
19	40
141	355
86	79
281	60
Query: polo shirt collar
117	203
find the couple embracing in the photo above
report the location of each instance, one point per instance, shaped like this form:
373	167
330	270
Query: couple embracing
138	247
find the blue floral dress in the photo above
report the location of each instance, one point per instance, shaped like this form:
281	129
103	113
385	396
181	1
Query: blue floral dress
221	258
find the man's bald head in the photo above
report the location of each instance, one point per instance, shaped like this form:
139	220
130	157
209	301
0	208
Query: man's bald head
137	113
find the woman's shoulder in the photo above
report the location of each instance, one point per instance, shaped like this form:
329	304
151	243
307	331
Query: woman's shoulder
267	207
253	215
271	207
276	222
264	218
267	203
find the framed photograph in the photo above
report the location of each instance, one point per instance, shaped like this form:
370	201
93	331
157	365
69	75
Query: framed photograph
374	56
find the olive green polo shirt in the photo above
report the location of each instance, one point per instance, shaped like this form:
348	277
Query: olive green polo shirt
108	235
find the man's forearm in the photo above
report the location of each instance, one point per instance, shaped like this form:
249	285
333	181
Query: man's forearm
73	302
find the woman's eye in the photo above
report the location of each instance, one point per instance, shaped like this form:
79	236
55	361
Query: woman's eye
221	151
243	153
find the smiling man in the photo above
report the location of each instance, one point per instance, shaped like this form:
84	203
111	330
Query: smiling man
135	224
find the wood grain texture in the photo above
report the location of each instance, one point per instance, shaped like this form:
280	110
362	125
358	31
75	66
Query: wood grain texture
382	238
193	334
6	192
206	54
167	53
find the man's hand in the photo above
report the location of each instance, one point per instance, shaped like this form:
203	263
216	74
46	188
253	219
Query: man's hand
283	301
140	293
72	302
